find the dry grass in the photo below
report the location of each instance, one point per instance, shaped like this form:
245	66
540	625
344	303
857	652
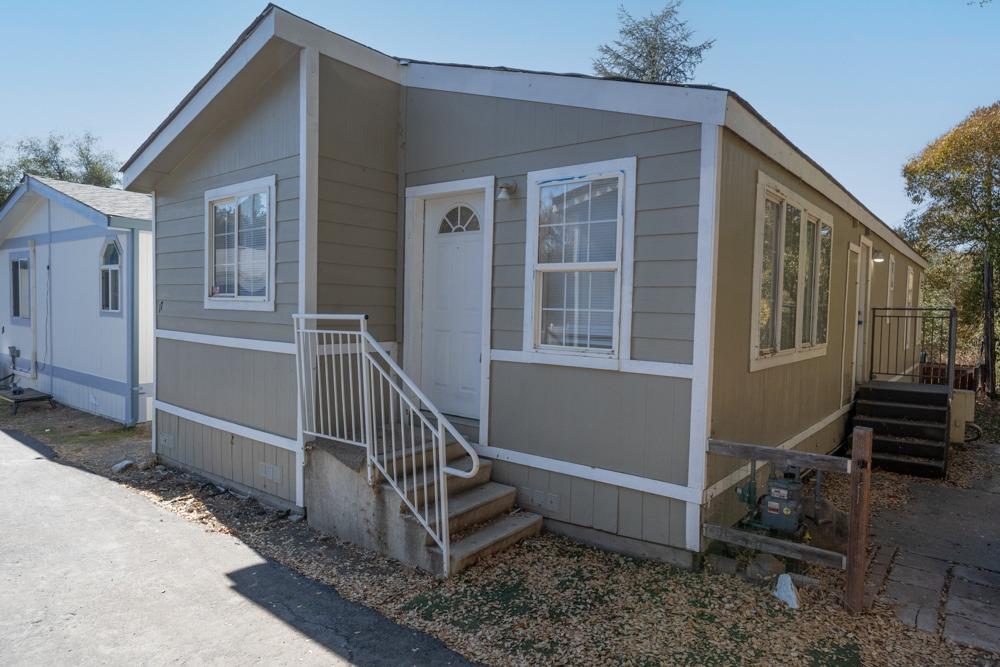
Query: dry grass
547	600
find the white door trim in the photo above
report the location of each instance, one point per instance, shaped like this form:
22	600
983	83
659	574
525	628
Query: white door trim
855	248
413	280
866	352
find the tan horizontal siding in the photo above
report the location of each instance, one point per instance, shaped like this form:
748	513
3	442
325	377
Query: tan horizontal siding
358	196
443	145
259	140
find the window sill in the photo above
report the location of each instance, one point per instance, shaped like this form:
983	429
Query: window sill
235	304
21	321
782	358
603	362
110	313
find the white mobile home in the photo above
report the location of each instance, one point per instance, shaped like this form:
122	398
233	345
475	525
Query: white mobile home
388	285
76	302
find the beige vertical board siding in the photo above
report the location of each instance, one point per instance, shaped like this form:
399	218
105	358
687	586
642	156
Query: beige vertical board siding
260	138
248	387
773	405
603	507
206	450
451	136
625	422
358	144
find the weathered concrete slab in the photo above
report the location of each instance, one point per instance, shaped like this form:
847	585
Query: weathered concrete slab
934	566
974	610
908	594
977	575
974	591
948	541
916	616
946	523
971	633
919	578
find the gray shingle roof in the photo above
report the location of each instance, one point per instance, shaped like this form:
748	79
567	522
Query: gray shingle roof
108	201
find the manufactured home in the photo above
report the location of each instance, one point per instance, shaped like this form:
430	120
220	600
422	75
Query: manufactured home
76	318
434	305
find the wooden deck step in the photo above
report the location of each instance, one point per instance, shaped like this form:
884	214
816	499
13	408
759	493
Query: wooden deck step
904	392
904	427
900	410
920	447
492	538
909	465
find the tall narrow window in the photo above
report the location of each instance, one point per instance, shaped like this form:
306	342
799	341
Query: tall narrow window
809	288
768	275
240	258
823	300
20	288
574	268
792	277
111	278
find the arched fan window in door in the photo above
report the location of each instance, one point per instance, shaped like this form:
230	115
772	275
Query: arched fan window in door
459	219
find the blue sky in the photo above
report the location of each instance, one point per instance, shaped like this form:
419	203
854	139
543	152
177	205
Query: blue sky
860	86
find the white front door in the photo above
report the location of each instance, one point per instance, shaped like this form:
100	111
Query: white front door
451	327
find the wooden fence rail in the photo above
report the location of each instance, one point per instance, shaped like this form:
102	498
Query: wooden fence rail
858	467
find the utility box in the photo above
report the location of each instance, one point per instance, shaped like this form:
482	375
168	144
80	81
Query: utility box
963	409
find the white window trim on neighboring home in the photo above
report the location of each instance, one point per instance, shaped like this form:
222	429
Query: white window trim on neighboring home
113	270
533	351
770	189
18	258
236	302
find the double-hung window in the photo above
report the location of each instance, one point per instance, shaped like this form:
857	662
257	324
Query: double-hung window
573	264
20	289
111	278
793	254
239	259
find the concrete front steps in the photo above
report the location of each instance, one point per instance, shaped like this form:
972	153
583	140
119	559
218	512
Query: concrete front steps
910	424
482	517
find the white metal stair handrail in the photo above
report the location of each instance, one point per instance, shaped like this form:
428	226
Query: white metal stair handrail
351	390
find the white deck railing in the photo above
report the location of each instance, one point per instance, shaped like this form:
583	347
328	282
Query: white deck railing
352	391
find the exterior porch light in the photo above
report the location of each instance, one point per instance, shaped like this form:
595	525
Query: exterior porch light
506	190
878	257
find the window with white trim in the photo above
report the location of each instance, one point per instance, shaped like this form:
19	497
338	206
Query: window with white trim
793	254
573	264
239	263
20	288
111	278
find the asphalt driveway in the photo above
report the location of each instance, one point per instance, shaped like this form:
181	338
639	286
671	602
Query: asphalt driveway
91	572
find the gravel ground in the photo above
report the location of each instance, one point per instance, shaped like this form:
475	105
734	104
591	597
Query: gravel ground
547	600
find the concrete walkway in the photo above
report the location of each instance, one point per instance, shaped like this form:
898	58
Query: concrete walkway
940	558
91	572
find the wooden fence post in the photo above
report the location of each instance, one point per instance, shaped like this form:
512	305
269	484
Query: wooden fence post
857	537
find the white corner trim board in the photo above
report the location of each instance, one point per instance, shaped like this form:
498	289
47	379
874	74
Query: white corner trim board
291	444
704	324
625	480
